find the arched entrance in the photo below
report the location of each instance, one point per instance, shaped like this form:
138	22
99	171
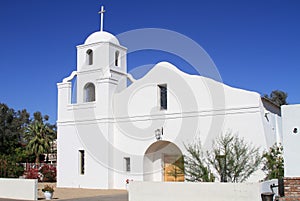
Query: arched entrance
163	161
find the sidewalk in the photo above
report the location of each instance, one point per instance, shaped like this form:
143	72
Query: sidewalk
80	194
76	193
122	197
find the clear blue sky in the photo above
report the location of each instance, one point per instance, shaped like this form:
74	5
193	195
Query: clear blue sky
255	44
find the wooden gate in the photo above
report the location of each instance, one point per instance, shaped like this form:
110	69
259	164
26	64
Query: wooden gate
173	169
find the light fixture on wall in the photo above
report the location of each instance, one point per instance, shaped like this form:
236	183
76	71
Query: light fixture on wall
266	114
159	133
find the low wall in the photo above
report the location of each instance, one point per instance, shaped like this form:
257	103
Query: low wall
292	187
24	189
177	191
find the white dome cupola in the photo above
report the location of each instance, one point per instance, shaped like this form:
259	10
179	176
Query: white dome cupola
101	36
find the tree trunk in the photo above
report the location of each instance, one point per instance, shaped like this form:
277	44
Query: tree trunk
37	158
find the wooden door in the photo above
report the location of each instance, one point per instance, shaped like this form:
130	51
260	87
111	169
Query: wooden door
173	170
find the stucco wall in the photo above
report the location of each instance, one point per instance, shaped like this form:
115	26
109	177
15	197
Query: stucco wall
122	125
24	189
95	173
169	191
194	112
291	138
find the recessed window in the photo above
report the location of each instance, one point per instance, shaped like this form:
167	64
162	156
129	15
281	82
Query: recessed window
81	161
163	96
117	58
89	92
127	164
89	57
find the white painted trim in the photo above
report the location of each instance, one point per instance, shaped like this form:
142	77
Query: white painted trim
67	79
99	43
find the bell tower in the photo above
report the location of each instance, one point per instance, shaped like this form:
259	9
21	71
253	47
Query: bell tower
86	124
100	57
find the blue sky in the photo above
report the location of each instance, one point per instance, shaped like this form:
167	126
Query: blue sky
254	44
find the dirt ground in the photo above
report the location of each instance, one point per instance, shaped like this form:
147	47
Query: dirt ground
71	193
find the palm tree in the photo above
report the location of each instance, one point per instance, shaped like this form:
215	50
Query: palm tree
39	137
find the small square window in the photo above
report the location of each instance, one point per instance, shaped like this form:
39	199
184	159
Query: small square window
127	164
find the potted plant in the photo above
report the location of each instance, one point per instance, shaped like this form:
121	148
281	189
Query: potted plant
48	191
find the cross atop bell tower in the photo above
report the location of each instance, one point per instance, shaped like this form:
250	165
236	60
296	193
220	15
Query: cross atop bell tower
101	12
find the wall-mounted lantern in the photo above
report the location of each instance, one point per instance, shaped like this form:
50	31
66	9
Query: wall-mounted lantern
159	133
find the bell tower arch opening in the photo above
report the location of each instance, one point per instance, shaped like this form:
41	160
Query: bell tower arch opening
117	58
89	57
89	92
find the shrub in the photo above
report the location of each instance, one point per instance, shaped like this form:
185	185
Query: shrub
233	158
48	173
33	174
273	162
9	168
196	168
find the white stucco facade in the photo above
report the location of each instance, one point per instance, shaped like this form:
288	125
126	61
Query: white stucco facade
291	138
108	135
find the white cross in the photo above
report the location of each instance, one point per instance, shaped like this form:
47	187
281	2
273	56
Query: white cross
101	12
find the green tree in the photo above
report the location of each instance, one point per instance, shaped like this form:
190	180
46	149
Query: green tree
14	137
12	126
9	167
233	159
22	155
37	116
195	166
278	97
273	162
39	135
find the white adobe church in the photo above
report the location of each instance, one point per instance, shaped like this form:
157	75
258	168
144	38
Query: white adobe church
115	131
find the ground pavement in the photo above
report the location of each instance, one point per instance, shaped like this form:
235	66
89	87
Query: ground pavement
72	194
123	197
